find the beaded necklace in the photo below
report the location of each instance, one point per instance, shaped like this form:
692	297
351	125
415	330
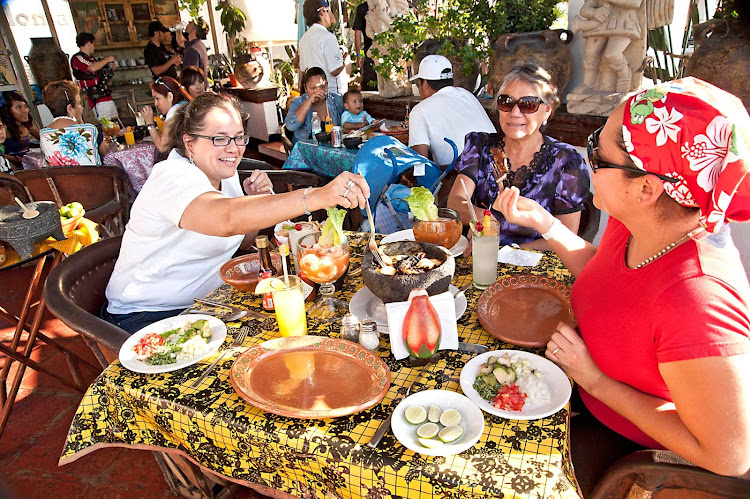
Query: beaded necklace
650	259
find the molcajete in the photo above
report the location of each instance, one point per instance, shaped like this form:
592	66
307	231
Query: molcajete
21	233
548	49
393	288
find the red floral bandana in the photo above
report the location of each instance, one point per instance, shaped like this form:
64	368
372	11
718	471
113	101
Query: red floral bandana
695	132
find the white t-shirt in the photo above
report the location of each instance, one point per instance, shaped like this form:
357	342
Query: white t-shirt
161	266
319	47
452	112
174	109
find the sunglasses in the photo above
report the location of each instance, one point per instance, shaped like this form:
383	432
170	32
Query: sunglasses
159	81
527	105
592	145
223	140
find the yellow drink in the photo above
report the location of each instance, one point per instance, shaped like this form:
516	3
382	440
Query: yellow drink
159	124
289	303
129	138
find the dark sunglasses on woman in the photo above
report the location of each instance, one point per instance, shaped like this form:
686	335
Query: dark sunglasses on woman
592	146
527	105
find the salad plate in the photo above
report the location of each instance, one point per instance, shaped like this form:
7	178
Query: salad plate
552	376
472	422
131	361
408	235
365	305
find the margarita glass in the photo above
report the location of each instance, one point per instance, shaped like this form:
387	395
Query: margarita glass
324	265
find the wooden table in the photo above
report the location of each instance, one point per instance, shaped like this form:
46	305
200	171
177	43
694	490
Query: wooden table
228	438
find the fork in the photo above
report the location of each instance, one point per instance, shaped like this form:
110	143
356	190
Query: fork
241	335
372	244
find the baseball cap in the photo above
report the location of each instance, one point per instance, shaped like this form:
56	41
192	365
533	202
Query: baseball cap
155	26
433	67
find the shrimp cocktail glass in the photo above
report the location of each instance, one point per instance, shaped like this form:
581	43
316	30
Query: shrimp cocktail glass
324	257
444	231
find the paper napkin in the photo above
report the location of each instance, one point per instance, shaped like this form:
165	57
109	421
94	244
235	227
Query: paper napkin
443	303
519	257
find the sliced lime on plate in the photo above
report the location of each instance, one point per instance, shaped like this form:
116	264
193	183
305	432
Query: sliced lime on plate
433	414
451	433
428	430
415	414
450	417
430	443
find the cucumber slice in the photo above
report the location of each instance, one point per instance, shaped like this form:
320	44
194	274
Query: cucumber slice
415	414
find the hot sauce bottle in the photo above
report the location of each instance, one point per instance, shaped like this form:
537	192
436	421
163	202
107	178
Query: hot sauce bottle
265	268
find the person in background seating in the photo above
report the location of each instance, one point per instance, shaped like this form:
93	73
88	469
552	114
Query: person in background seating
19	126
193	79
161	61
67	140
5	165
93	74
169	96
315	98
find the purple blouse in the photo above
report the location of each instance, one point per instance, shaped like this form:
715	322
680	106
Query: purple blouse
557	178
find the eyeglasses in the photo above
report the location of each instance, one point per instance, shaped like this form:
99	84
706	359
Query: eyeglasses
527	105
223	140
159	81
592	146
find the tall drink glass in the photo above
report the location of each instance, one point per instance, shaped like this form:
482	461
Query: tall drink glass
484	248
289	301
129	138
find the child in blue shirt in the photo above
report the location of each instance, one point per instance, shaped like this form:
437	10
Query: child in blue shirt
354	117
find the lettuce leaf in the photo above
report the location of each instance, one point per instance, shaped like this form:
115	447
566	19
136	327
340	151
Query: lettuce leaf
422	204
332	233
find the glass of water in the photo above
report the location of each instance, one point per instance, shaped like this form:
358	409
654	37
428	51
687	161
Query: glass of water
484	246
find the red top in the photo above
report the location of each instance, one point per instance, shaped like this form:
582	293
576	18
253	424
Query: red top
691	303
80	63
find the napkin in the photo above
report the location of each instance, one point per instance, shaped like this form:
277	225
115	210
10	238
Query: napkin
446	310
519	257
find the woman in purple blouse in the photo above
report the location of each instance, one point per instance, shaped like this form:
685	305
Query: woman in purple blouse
544	169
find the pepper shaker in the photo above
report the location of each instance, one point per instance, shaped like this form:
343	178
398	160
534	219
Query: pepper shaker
369	336
349	328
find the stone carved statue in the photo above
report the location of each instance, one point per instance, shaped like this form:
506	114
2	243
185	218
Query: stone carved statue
615	54
379	19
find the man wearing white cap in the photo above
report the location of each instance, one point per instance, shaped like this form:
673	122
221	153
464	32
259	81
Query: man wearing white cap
445	111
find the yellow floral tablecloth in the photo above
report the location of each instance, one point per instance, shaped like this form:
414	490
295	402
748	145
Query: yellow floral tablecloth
217	429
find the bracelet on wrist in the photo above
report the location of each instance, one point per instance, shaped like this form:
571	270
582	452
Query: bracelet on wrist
304	200
554	229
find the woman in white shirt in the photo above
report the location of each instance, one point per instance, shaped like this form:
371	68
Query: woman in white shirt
191	215
168	96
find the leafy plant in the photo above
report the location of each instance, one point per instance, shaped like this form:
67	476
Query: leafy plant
285	75
192	6
467	26
233	21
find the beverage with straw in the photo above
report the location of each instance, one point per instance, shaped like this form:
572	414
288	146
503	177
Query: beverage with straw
484	245
288	299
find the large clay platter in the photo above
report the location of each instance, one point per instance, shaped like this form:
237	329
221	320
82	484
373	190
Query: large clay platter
310	377
524	310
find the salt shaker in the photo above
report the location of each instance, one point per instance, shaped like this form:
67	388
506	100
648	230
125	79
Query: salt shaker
369	336
349	328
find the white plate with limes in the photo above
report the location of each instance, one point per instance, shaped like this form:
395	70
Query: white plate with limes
449	424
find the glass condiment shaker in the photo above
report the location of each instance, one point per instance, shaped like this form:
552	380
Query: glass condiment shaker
369	336
349	328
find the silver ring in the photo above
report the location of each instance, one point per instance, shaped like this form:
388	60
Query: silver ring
349	184
345	192
555	350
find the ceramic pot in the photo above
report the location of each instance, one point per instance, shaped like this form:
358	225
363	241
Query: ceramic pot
722	55
47	62
431	47
548	49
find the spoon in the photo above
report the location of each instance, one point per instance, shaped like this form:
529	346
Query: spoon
28	213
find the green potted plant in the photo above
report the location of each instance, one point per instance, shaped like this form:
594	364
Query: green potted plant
233	22
462	30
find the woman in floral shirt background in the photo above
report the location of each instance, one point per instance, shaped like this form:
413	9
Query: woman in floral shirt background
68	141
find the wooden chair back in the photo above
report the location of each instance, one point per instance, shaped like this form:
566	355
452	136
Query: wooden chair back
11	187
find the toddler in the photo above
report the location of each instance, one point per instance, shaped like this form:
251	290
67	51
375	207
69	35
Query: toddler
354	117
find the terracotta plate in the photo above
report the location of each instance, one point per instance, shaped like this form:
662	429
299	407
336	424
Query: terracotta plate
310	377
524	310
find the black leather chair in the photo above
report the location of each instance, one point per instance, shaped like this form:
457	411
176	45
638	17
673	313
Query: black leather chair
660	472
74	292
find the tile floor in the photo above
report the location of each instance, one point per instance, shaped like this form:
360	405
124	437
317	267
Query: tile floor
33	439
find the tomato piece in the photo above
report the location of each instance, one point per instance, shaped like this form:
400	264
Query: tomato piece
509	398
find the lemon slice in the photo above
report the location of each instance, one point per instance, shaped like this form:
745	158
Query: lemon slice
430	443
268	284
428	430
450	417
434	413
415	414
451	433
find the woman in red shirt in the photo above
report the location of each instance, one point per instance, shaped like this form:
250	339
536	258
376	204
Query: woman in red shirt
662	351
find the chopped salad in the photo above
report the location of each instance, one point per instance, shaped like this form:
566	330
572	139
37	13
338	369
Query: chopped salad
508	383
169	347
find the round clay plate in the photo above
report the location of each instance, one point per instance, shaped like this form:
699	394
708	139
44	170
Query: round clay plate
310	377
524	310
